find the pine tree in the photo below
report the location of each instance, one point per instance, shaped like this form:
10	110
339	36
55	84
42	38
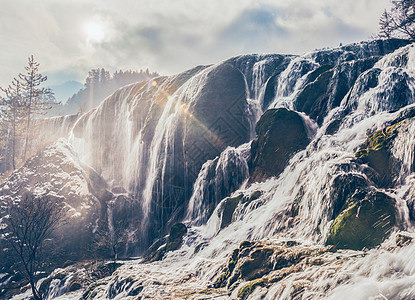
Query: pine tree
36	99
12	113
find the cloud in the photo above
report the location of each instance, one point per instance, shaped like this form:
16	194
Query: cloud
253	30
170	36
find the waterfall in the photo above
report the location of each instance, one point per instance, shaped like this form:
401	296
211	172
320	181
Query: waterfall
179	147
217	179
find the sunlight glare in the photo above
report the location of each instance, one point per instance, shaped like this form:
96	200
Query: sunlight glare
95	31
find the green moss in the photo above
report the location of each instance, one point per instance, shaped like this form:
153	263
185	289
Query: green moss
228	210
67	263
380	140
375	152
247	289
206	292
233	260
363	224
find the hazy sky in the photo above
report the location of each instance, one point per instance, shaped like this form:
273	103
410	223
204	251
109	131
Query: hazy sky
69	37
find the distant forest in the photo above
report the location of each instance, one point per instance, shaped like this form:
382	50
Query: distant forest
99	85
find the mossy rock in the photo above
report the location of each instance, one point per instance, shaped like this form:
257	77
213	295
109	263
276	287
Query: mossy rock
228	209
257	264
245	244
376	152
380	140
343	187
248	288
223	278
365	223
280	134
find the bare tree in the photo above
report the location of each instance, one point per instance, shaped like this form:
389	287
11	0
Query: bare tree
26	223
399	22
111	239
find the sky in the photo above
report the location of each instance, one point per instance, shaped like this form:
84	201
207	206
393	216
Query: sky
70	37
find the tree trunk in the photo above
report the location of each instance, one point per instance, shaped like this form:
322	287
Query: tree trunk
14	143
27	134
35	292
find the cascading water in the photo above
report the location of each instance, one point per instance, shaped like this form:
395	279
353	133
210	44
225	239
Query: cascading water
307	183
180	147
217	179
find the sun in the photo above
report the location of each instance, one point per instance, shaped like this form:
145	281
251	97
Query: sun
94	31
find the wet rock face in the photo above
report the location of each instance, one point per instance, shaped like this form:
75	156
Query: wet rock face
366	222
376	152
229	207
328	85
215	119
343	187
173	242
280	134
261	68
218	179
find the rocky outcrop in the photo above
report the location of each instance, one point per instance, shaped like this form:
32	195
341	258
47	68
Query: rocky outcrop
57	171
264	263
174	242
376	152
228	208
280	134
365	222
75	277
328	85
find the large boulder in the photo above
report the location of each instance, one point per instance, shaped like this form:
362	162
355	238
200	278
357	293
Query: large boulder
280	134
366	221
173	242
376	152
